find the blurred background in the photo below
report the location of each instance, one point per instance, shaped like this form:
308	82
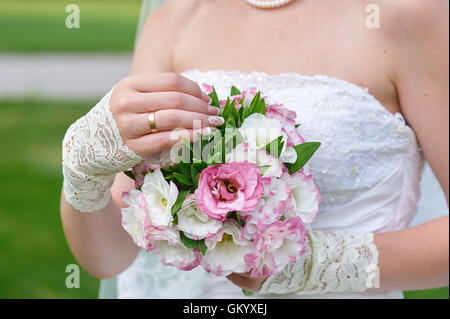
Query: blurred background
51	75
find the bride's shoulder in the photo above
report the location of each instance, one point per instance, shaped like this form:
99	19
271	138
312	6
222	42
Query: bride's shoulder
181	11
413	17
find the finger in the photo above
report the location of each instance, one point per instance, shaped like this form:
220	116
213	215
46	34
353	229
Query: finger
151	102
240	281
137	125
160	82
154	143
167	120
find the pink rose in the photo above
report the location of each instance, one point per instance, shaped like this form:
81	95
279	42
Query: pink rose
223	188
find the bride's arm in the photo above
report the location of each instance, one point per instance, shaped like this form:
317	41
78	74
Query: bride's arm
97	239
417	257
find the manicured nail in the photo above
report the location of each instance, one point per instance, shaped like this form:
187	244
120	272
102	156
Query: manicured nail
216	120
213	110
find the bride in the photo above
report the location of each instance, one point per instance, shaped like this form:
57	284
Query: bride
376	96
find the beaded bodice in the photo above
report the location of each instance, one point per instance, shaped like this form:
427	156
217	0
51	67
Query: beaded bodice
363	144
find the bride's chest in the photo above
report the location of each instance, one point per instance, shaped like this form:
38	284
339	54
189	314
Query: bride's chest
320	42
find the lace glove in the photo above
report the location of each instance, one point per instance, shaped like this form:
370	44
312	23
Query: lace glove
333	262
93	152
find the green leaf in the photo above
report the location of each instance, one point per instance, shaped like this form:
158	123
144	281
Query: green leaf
215	159
214	98
234	91
175	220
195	174
184	179
200	166
275	144
297	125
189	243
179	202
260	107
304	153
247	293
241	115
184	168
129	174
235	113
253	104
218	151
202	246
227	109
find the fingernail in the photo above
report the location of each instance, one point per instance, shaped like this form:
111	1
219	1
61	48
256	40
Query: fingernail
216	120
213	110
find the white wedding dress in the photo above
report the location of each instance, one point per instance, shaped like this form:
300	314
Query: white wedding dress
368	171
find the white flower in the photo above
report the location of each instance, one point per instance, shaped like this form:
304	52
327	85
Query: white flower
172	252
160	197
194	223
269	164
258	131
226	250
305	197
134	217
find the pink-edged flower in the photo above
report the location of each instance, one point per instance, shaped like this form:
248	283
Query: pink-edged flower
142	223
195	224
286	118
279	244
152	162
305	197
270	208
135	219
207	88
280	112
226	250
223	188
171	252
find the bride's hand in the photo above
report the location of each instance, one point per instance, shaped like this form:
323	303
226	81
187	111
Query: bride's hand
244	281
115	135
177	102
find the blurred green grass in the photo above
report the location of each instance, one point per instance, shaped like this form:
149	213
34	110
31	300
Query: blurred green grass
36	26
33	249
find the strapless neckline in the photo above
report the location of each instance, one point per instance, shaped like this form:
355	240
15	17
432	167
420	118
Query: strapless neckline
303	77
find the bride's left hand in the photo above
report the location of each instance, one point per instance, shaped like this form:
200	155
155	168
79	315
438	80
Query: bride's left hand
244	281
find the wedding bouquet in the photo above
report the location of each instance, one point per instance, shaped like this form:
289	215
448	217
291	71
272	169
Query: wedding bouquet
235	200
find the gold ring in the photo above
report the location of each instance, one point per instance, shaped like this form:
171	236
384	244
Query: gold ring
151	122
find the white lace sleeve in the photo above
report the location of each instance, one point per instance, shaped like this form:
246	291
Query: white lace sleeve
93	152
333	262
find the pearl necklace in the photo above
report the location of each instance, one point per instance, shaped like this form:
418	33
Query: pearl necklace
268	4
